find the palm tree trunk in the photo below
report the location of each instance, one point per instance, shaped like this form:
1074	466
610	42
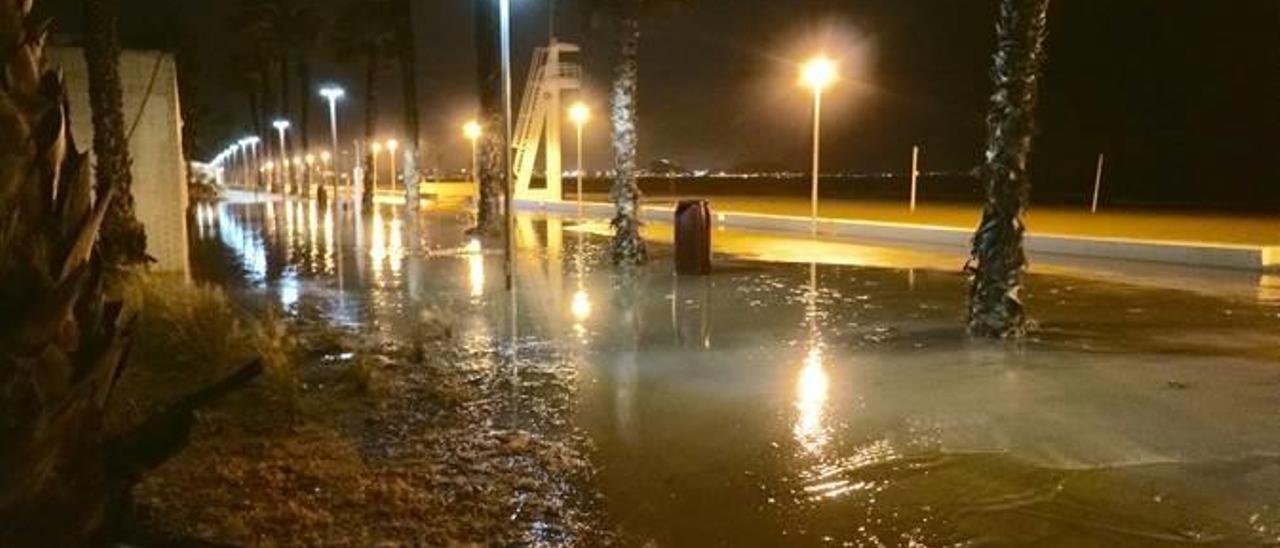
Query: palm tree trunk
304	118
286	106
489	148
628	247
370	120
125	241
997	261
406	47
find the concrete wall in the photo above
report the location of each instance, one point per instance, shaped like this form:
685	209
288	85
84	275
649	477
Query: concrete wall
159	171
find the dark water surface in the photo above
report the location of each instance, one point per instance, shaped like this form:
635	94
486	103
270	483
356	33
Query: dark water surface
822	404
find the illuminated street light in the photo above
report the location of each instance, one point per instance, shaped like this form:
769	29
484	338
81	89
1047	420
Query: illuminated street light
375	148
392	145
286	175
333	94
472	131
818	74
579	113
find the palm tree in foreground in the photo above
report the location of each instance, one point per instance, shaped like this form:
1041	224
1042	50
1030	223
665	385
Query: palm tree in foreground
124	236
997	261
62	342
489	149
628	248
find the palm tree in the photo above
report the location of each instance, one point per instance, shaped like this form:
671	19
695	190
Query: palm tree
364	32
489	86
62	342
997	261
406	56
628	248
123	235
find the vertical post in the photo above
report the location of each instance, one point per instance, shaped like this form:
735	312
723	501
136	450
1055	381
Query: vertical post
915	174
504	16
392	155
579	171
1097	184
333	143
817	124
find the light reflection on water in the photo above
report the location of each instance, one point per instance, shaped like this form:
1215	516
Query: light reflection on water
857	431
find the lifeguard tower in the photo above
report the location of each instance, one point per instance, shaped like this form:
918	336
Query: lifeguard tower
541	113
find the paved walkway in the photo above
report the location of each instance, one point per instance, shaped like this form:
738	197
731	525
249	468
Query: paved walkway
1172	226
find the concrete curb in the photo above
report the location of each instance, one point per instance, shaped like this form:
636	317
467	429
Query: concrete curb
1198	254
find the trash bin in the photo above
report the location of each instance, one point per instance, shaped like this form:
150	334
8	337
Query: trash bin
693	237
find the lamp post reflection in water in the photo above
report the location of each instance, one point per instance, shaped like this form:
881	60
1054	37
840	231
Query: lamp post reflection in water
813	385
475	267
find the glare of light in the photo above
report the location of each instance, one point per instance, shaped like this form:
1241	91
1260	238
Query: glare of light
297	161
310	159
475	267
811	401
818	73
581	306
252	140
375	148
280	125
579	113
395	244
378	245
332	93
325	157
270	166
392	145
471	130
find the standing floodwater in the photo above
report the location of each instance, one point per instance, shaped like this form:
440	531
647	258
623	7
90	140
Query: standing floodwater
777	403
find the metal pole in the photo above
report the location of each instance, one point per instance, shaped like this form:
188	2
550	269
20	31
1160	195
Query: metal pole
504	16
286	173
392	155
817	124
1097	184
915	173
579	171
333	134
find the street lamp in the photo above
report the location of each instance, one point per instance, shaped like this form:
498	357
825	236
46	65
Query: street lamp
817	74
310	159
392	145
283	154
333	94
472	131
579	113
504	31
375	148
253	141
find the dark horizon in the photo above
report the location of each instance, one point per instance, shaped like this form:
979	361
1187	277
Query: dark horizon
1180	95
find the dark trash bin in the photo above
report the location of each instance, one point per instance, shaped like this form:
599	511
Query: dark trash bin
693	237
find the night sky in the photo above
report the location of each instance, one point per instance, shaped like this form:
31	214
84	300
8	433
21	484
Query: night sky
1182	95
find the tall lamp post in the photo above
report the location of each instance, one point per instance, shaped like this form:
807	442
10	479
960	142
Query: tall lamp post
579	113
375	148
392	145
504	30
333	94
286	174
818	73
472	131
255	163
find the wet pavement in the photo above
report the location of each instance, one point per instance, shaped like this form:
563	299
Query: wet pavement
819	395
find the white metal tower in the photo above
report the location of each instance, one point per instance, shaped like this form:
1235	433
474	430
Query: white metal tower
540	112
